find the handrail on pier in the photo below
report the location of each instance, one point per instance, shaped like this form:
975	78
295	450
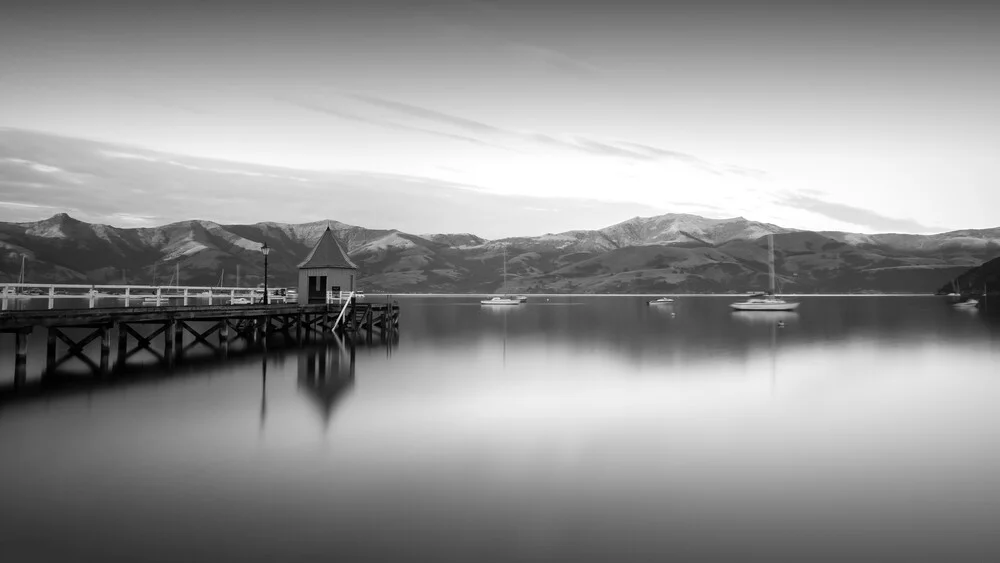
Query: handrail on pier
343	310
157	294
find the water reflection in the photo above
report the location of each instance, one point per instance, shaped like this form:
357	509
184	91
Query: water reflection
615	433
765	317
263	391
326	374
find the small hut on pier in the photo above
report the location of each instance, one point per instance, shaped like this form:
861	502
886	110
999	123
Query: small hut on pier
327	268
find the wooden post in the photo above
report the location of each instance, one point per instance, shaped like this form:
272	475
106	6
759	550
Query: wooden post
185	296
127	289
50	349
209	297
105	347
158	291
179	339
52	297
122	346
21	356
93	297
224	338
4	307
168	339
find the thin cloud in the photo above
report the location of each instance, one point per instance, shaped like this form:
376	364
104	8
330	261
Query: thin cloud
335	112
428	114
487	21
555	61
631	151
855	215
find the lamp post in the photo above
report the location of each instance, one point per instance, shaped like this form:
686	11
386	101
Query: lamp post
264	249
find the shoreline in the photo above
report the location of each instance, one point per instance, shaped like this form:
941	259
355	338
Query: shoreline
733	295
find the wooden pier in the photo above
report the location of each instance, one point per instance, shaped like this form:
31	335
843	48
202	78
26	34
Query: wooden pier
225	325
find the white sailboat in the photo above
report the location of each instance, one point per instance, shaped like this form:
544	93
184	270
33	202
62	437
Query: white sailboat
769	301
506	299
956	293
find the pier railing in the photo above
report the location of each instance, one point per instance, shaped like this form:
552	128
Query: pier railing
135	295
339	322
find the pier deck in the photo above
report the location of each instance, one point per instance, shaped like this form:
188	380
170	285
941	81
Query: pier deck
169	324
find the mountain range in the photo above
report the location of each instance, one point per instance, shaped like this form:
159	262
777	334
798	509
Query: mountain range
660	254
668	253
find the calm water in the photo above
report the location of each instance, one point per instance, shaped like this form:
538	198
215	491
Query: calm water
578	429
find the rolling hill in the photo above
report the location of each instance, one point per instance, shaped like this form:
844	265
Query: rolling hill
668	253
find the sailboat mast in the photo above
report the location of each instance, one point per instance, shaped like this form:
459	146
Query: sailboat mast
505	269
21	278
770	259
177	274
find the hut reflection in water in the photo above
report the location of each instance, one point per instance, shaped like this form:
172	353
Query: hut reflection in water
325	374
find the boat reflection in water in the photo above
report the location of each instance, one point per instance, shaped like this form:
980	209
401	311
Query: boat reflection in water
766	317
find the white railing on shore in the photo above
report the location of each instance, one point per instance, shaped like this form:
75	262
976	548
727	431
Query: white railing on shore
137	294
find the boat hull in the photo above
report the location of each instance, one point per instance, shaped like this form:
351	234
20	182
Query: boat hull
501	302
786	306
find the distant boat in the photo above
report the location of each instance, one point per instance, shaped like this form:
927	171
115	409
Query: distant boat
506	299
768	301
500	301
662	300
240	301
966	304
956	292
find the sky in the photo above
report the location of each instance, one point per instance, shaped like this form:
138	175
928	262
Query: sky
857	116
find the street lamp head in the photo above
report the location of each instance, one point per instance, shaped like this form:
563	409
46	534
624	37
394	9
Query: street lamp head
264	249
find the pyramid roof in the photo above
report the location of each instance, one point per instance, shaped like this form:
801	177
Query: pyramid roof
327	254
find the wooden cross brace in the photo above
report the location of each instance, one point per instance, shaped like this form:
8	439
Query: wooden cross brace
201	337
143	342
76	348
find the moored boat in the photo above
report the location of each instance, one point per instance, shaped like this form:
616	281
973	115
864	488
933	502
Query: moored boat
767	301
506	299
500	301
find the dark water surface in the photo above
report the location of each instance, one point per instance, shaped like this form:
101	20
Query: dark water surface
578	429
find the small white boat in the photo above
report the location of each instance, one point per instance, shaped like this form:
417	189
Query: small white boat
520	298
769	303
971	303
500	301
662	300
240	301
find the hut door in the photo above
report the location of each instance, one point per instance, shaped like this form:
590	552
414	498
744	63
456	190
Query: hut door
317	289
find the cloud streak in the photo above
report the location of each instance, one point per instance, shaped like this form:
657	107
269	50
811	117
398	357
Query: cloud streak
626	150
855	215
339	113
